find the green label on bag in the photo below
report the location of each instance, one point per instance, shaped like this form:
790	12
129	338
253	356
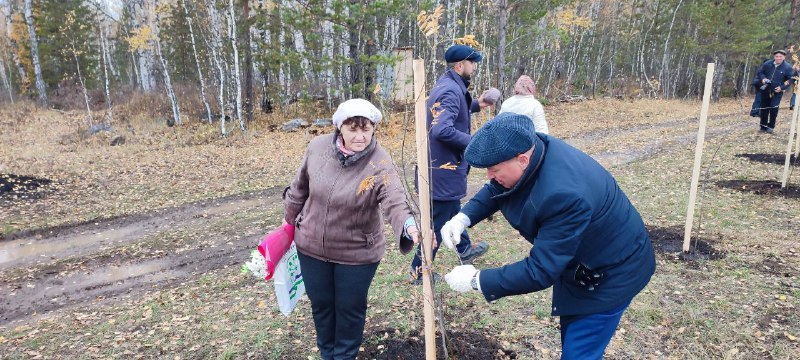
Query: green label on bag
295	276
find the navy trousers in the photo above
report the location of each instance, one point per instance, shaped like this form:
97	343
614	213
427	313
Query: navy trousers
442	212
338	295
585	337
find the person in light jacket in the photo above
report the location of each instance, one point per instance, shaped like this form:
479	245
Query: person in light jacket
335	202
524	103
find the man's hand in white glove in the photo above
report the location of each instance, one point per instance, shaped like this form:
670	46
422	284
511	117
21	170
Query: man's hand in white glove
460	279
452	230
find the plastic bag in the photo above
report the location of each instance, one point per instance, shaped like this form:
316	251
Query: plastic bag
288	279
274	246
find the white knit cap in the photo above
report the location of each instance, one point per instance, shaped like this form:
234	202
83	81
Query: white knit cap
356	107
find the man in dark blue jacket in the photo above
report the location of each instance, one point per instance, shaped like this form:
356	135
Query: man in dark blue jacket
449	109
772	79
590	243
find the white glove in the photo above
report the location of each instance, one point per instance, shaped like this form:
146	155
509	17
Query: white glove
452	230
460	279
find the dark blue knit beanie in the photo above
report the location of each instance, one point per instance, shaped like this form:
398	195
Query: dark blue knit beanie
500	139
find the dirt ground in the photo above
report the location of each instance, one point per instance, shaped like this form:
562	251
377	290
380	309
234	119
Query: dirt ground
139	246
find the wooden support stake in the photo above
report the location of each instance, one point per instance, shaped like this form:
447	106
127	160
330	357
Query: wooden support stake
698	155
797	119
423	179
792	129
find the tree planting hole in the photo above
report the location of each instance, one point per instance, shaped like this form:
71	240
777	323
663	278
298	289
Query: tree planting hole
779	159
468	345
20	186
668	241
762	187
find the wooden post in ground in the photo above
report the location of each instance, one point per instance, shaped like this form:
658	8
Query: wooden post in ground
698	155
423	179
797	119
792	129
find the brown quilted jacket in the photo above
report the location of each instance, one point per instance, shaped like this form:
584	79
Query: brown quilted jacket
335	203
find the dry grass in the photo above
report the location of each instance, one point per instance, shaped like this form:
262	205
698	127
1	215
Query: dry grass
742	306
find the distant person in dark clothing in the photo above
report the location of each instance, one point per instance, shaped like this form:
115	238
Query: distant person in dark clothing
772	79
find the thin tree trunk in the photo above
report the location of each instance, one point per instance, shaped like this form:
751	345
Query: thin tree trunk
216	54
355	67
665	58
197	63
83	85
502	8
23	76
37	68
176	111
327	53
369	69
792	19
248	65
6	83
236	73
104	53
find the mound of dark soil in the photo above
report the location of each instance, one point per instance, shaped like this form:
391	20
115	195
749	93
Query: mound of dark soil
668	241
18	186
466	345
762	187
770	158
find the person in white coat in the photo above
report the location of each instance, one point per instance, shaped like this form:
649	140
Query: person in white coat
524	103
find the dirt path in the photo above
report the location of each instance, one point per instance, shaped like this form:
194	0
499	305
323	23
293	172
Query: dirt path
51	284
36	280
686	134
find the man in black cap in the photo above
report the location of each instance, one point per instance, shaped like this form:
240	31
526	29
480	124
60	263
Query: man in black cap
772	79
449	111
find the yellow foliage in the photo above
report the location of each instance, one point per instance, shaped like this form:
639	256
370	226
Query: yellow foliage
19	35
567	18
428	23
795	59
468	40
140	38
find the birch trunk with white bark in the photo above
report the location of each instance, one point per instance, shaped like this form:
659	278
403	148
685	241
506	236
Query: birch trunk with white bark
236	73
37	68
197	62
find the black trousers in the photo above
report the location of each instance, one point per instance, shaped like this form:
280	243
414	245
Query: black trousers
769	108
442	212
338	295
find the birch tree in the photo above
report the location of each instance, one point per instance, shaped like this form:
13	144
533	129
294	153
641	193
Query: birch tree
145	54
7	13
156	39
200	75
73	49
37	69
216	55
6	82
248	64
236	73
106	61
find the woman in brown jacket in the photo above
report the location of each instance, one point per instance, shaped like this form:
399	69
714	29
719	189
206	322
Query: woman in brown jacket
335	203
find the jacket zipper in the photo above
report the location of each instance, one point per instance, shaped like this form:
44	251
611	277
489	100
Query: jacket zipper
327	209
